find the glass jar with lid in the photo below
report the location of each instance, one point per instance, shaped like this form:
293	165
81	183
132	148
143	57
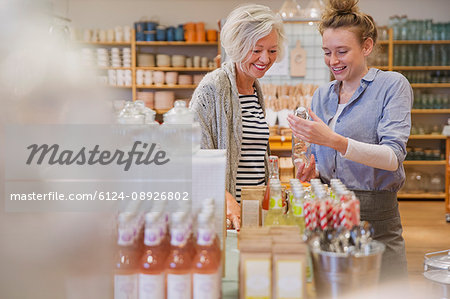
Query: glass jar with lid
437	269
180	114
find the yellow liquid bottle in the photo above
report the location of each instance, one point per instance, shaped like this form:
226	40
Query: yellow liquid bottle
275	215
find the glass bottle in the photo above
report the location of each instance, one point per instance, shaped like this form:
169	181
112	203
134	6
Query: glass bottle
205	265
152	263
179	261
273	174
297	208
275	214
301	150
126	260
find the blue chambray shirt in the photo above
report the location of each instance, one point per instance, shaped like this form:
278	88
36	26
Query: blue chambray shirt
379	112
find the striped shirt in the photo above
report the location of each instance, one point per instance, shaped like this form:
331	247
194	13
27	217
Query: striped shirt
255	136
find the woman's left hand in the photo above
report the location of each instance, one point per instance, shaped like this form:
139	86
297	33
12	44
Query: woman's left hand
315	131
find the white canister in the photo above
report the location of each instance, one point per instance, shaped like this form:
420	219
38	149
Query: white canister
171	78
162	60
189	62
204	62
127	33
112	77
102	35
196	61
110	35
148	77
158	77
120	77
145	59
178	60
139	77
118	34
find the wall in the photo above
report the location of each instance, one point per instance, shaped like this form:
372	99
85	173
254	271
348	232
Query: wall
107	13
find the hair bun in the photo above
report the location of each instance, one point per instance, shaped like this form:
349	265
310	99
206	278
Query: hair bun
341	7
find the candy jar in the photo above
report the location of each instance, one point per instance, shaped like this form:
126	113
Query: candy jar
182	115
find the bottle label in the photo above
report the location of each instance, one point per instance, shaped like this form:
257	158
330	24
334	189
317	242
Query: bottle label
125	236
125	286
276	203
151	286
289	279
297	209
205	286
205	236
152	236
178	237
178	286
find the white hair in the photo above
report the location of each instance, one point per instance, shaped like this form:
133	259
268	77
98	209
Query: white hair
247	24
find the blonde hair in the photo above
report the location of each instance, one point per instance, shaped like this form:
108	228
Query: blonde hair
346	14
247	24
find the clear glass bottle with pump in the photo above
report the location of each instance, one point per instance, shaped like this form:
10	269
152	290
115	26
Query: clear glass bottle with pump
301	150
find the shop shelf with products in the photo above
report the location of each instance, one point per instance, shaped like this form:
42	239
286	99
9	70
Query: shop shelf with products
430	79
150	63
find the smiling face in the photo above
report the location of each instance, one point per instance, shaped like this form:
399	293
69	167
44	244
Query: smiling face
261	57
344	54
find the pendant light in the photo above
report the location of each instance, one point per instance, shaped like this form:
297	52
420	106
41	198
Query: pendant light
313	10
290	10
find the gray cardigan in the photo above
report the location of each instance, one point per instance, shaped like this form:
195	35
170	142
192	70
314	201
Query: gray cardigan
216	101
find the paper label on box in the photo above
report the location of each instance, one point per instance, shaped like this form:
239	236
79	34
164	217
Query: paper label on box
250	213
289	274
125	286
178	286
257	278
205	286
151	286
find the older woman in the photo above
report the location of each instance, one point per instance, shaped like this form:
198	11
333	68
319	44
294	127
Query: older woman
229	101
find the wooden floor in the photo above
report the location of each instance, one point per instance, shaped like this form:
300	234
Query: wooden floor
424	230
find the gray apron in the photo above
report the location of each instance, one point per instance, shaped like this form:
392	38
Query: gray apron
380	208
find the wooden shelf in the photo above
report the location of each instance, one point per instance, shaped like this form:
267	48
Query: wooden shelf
421	195
430	111
427	136
383	42
421	68
114	68
176	43
117	86
414	162
165	86
105	43
420	42
430	85
180	69
383	68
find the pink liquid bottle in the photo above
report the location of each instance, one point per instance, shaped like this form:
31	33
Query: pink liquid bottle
179	260
152	263
126	259
206	265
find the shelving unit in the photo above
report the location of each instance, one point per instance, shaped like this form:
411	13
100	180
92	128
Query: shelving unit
423	113
137	45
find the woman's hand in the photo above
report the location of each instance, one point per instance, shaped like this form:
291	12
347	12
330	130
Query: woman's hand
308	173
233	210
317	132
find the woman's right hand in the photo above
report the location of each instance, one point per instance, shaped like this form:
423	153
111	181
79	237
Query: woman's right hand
233	210
308	173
